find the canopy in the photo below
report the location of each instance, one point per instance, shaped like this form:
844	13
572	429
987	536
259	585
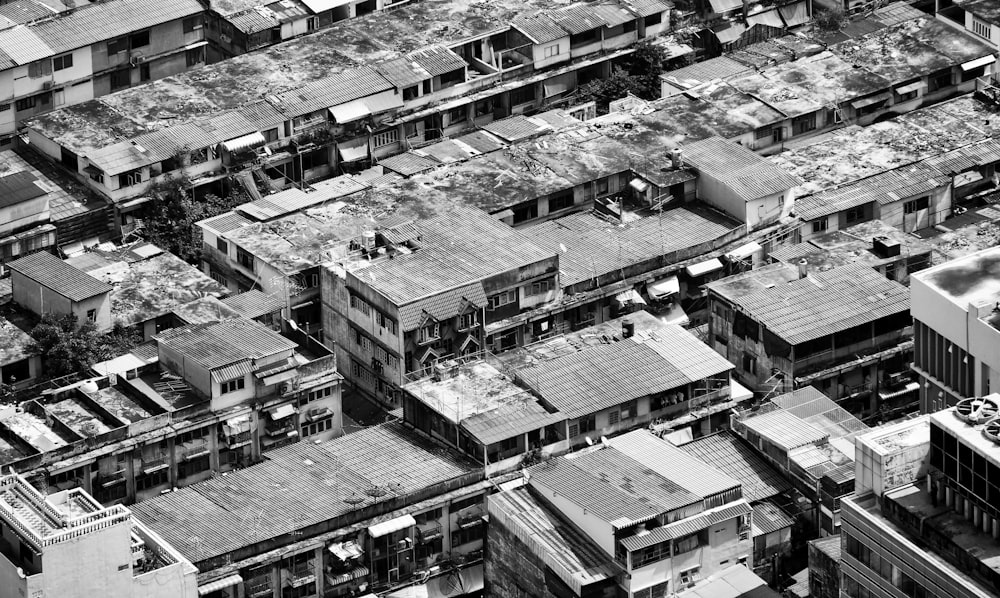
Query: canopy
663	287
349	112
383	102
744	251
448	585
353	150
704	267
630	296
974	64
226	582
280	377
240	143
345	550
282	412
875	99
393	525
318	6
916	86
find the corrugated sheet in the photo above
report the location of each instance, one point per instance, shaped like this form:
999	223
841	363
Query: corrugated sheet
402	72
407	163
612	14
732	456
784	429
334	90
437	60
509	421
225	223
18	187
232	372
443	306
53	273
254	303
747	174
767	519
224	343
516	128
23	45
577	18
646	8
539	28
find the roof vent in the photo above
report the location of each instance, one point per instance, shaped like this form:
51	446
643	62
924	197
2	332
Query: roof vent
992	430
977	410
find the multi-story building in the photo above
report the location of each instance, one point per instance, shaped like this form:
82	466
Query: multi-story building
956	329
845	330
96	49
635	516
808	438
67	544
970	16
931	528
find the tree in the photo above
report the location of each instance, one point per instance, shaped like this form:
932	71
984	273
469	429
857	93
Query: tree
830	20
639	75
67	348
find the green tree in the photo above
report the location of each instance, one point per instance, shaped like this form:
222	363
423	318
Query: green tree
638	74
67	348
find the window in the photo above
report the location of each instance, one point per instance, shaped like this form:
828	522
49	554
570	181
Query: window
820	225
39	68
468	320
762	133
218	277
244	259
939	80
588	424
25	103
855	214
361	305
152	480
315	158
62	62
384	138
385	322
192	24
410	93
654	19
232	386
92	315
560	202
484	107
457	115
144	72
116	46
120	79
804	124
430	332
550	51
505	298
318	394
750	364
139	40
222	246
524	213
542	286
980	28
467	535
317	427
129	179
194	57
613	417
629	410
912	206
4	107
523	95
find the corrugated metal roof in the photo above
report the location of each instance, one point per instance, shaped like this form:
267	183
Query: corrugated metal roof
225	223
334	90
747	174
437	60
402	72
509	420
18	187
646	8
687	526
481	141
826	302
694	475
729	454
517	127
254	20
443	306
224	343
577	18
254	303
539	28
232	372
23	45
784	429
768	518
612	14
53	273
407	163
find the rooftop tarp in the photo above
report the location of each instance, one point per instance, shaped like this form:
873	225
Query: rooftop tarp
240	143
393	525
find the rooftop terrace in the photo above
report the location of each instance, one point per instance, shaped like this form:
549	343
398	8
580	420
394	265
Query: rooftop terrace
971	279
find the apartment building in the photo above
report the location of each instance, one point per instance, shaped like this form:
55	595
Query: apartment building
67	544
855	338
977	18
636	516
77	55
931	527
955	329
334	518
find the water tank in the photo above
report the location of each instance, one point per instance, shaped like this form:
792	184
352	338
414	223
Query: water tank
628	328
803	268
676	158
368	240
89	387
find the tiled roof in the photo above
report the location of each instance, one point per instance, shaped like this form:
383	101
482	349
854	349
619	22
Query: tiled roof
606	375
437	60
539	28
727	453
826	302
220	344
52	272
442	306
254	303
298	486
743	171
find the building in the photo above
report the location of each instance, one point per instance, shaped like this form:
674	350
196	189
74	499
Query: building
19	366
785	327
77	55
24	214
971	16
67	544
808	438
636	516
955	323
937	514
891	252
824	567
44	284
333	518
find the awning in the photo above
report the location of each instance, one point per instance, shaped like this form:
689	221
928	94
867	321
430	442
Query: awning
252	140
560	84
233	371
132	203
892	394
966	178
744	251
630	296
279	377
703	268
226	582
350	112
194	45
910	87
738	392
731	33
974	64
353	150
318	6
447	585
237	425
639	185
771	18
393	525
794	14
345	550
356	573
196	454
663	287
875	99
721	6
282	412
383	103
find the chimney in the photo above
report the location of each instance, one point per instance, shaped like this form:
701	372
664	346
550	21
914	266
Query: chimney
628	328
803	268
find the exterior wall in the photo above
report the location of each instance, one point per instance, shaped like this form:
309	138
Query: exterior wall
24	214
538	53
824	573
939	208
599	531
91	565
42	300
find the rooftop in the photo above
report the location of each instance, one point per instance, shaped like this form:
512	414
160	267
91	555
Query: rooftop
730	455
603	375
299	486
822	303
747	174
851	245
969	435
205	310
987	10
974	278
55	274
218	344
254	303
736	581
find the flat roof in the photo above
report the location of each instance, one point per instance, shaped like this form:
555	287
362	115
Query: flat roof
987	10
852	245
736	581
970	435
298	486
730	455
818	305
974	278
891	438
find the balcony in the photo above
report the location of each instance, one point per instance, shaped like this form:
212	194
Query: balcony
429	532
106	480
259	589
471	517
299	574
193	449
154	464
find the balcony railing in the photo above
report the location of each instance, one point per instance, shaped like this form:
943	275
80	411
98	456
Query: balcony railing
429	532
471	517
300	574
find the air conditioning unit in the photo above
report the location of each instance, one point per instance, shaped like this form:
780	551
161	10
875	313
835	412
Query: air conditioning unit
137	60
47	85
285	388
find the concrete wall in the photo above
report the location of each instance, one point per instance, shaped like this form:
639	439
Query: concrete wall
24	214
599	531
90	565
40	299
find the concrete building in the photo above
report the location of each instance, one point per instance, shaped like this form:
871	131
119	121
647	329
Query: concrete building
824	567
759	322
637	516
956	339
67	544
44	284
809	439
74	56
938	514
971	16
